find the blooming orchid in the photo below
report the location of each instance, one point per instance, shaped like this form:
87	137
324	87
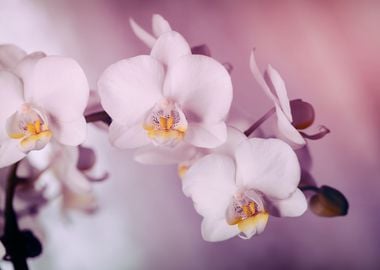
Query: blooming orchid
274	88
236	195
41	98
159	27
167	98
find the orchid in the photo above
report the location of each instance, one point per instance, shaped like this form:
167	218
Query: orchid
159	27
166	98
236	195
42	98
274	88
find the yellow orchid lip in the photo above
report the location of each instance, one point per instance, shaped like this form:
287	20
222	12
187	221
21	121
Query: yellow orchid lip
29	125
166	124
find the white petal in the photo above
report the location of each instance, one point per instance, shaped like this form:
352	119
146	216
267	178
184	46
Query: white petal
160	25
280	89
11	98
269	166
10	55
124	137
208	136
287	132
260	78
155	154
202	86
59	86
210	182
234	138
293	206
170	47
214	230
10	152
143	35
70	133
131	87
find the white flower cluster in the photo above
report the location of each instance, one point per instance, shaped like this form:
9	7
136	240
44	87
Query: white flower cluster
170	106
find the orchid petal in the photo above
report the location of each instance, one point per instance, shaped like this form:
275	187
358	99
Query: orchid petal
170	47
293	206
210	182
10	55
208	136
287	132
69	133
143	35
59	86
202	86
269	166
160	25
10	153
260	78
131	87
155	154
214	230
280	90
125	136
11	98
234	138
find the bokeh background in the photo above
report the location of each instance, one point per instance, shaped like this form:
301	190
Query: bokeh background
328	53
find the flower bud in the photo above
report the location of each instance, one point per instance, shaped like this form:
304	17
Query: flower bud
303	114
329	202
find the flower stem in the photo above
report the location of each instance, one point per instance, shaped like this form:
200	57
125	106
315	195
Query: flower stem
255	125
311	188
12	238
101	116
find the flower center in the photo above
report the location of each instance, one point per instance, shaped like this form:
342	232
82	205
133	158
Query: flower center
166	124
246	210
29	125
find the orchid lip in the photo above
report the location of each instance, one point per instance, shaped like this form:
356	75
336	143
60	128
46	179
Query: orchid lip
166	124
29	125
246	210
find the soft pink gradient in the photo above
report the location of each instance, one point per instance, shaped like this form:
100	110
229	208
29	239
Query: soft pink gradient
326	51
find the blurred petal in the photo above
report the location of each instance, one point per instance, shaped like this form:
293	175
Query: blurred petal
210	182
10	153
160	25
202	86
287	132
169	47
124	136
208	136
59	85
269	166
131	87
280	90
293	206
214	230
303	114
69	133
143	35
10	55
87	158
11	98
155	154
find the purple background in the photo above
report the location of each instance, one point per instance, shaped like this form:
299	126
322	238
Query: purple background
328	53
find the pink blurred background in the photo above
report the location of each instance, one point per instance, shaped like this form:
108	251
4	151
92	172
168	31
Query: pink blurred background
328	54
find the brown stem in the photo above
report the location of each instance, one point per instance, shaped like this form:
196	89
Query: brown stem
255	125
12	238
101	116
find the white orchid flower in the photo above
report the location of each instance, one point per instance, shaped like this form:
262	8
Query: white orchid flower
167	98
10	56
236	195
60	175
43	97
159	27
274	87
